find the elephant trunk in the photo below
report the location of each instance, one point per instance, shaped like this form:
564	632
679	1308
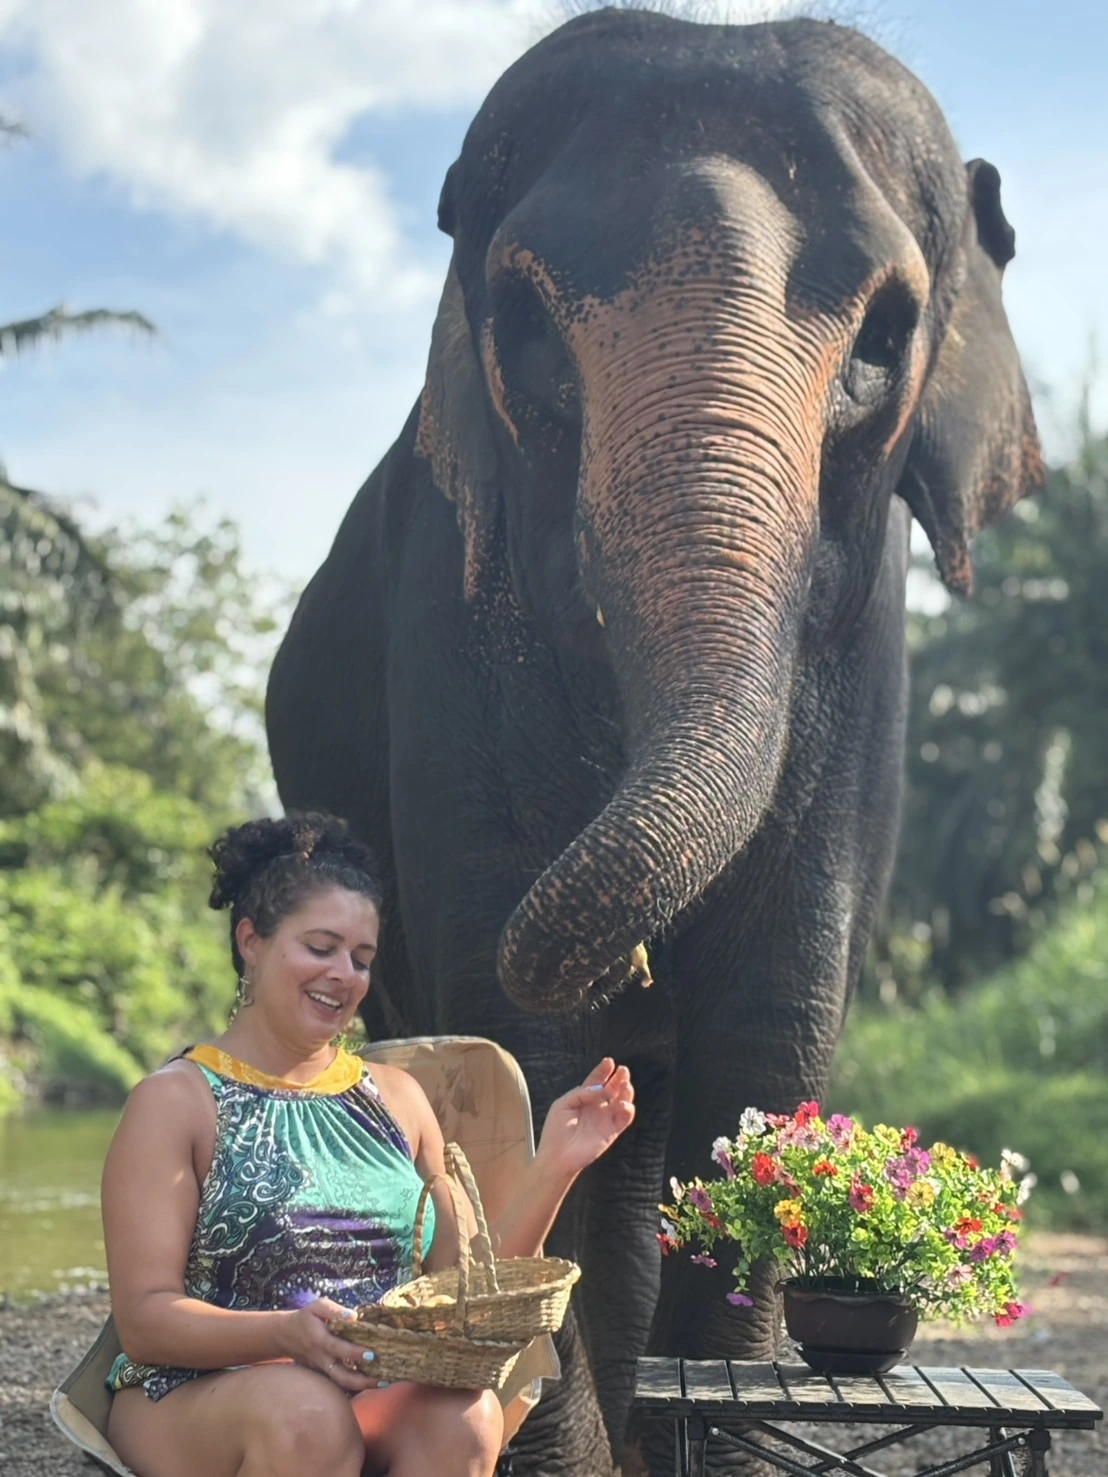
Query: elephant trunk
697	507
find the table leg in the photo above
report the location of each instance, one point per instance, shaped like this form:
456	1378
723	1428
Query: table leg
1039	1444
698	1446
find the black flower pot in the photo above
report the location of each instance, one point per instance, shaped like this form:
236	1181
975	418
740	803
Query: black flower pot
849	1332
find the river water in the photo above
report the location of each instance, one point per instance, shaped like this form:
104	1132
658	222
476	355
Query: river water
50	1234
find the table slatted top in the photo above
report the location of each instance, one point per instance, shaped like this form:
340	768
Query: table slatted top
909	1393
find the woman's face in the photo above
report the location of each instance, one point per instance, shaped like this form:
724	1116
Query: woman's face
312	973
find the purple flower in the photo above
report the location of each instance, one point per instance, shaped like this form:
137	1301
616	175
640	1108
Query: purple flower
740	1300
1005	1243
700	1260
721	1153
699	1200
984	1249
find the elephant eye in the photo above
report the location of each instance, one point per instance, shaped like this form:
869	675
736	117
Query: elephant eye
534	359
882	342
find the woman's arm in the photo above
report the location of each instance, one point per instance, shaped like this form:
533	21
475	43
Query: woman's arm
578	1129
150	1198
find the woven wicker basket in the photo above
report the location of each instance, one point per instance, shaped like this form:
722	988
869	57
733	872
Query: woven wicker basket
465	1320
514	1299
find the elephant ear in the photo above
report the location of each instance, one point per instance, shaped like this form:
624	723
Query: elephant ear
454	433
975	450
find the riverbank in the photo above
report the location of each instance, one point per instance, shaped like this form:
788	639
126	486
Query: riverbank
1065	1280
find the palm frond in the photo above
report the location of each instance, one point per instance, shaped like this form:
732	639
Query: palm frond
58	322
39	539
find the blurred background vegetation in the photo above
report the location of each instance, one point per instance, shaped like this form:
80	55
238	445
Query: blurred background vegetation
132	663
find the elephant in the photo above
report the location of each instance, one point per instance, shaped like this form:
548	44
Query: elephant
607	660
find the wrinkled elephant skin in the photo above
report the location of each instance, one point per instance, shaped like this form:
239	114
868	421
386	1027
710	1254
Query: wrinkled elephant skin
607	660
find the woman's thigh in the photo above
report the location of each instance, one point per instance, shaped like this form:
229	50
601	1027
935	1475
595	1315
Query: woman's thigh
270	1418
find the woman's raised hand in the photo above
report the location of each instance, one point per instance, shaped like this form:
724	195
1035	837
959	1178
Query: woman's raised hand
309	1341
584	1122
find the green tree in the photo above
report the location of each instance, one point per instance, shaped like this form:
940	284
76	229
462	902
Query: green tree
1006	802
52	585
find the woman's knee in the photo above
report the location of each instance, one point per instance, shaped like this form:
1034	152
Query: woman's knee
477	1431
307	1427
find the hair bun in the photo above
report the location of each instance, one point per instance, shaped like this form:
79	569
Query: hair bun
241	853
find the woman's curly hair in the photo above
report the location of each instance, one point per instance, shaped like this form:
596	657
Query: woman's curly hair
265	869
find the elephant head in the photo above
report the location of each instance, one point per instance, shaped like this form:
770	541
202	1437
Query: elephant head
717	296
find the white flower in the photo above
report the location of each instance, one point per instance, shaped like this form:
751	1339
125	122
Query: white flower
676	1189
1010	1160
720	1147
752	1123
668	1229
1027	1184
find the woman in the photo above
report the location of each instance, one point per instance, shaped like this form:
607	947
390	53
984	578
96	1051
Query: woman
266	1183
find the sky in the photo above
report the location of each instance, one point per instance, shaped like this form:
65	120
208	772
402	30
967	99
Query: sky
260	177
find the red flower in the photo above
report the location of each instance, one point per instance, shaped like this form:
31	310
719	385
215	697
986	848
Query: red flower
909	1137
666	1243
861	1196
763	1168
966	1225
972	1162
824	1167
805	1113
795	1235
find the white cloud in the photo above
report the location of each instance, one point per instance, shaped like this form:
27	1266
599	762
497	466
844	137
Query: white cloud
230	111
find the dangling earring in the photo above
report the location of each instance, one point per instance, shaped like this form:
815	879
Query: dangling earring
243	996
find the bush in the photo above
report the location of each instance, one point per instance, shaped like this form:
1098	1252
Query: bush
1017	1062
109	959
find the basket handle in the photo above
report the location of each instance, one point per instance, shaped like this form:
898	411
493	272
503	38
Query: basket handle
465	1255
458	1165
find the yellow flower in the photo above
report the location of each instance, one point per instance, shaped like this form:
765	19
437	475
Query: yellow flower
921	1195
943	1154
789	1212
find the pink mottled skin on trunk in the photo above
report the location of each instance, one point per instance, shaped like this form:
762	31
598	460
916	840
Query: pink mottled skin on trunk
704	405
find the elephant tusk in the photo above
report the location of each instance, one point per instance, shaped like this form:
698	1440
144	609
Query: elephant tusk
599	616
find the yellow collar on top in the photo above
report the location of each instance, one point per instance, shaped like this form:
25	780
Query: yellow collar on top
343	1073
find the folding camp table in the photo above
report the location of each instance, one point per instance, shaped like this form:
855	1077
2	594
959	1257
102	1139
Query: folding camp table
740	1407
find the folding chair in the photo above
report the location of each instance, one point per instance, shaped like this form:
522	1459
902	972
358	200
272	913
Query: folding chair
480	1098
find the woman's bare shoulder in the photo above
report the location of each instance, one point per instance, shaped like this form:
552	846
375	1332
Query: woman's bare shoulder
174	1095
403	1096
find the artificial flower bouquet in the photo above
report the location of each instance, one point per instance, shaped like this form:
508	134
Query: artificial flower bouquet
837	1207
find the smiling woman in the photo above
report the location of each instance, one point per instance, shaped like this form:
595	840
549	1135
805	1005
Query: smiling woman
266	1184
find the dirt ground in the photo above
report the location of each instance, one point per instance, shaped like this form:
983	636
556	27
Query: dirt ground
1065	1279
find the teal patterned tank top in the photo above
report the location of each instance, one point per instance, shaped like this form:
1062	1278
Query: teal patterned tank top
312	1192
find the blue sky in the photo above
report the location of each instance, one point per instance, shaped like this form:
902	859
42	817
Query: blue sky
260	178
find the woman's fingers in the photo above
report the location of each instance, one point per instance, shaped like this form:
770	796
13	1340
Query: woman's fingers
350	1379
330	1311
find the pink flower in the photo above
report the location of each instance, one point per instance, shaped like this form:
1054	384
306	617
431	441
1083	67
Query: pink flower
700	1260
1011	1312
909	1137
902	1173
840	1130
740	1300
805	1113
